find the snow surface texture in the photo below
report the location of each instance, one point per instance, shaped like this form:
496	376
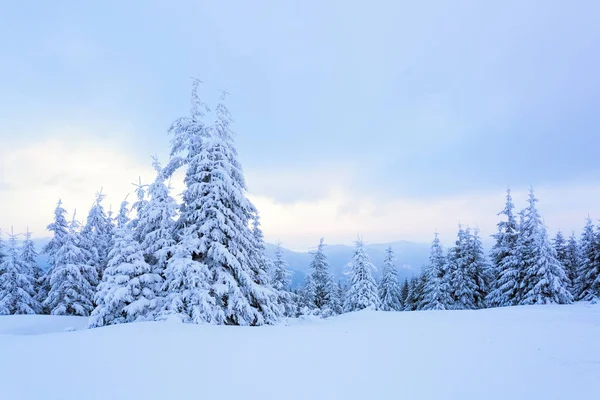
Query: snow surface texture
525	352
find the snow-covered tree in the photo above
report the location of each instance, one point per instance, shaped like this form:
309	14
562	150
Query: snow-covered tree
560	247
71	279
28	256
334	305
138	207
156	223
60	229
320	277
389	288
572	262
404	293
414	294
215	241
436	292
362	292
96	236
130	289
505	263
588	273
17	292
280	279
479	269
463	286
544	279
123	216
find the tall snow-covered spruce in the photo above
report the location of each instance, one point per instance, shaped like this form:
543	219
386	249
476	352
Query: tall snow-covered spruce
60	229
544	279
362	292
71	279
588	273
214	274
506	268
280	279
17	293
436	294
96	236
389	288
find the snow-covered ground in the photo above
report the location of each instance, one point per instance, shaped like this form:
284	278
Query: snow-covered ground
538	352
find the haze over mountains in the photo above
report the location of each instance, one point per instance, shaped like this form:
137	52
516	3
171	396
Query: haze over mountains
410	258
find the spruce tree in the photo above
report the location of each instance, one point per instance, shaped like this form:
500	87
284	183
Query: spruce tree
404	293
544	279
572	262
412	295
320	278
505	271
479	268
463	286
130	289
334	305
28	256
588	271
389	288
156	223
60	229
280	279
71	279
437	288
96	236
17	292
214	240
362	292
560	247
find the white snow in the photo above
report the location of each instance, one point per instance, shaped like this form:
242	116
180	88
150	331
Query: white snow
526	352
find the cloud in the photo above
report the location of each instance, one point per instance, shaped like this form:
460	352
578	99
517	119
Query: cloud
68	167
343	213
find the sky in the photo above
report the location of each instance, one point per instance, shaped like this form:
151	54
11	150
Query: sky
387	119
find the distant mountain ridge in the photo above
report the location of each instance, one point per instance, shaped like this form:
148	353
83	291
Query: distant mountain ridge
410	258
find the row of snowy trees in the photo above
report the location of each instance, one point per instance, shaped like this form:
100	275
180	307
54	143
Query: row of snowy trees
204	260
524	267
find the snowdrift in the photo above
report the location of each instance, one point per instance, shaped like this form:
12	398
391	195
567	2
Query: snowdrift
538	352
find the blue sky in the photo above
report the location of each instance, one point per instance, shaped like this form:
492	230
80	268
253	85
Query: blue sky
390	119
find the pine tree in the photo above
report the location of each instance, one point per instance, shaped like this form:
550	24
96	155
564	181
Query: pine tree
17	293
544	279
362	292
589	264
404	294
572	262
28	256
60	230
479	269
216	214
130	289
389	288
505	272
560	247
96	236
71	279
320	278
156	223
463	286
334	305
437	288
280	279
413	294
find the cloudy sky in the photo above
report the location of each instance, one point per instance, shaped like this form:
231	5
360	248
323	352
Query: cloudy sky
389	119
